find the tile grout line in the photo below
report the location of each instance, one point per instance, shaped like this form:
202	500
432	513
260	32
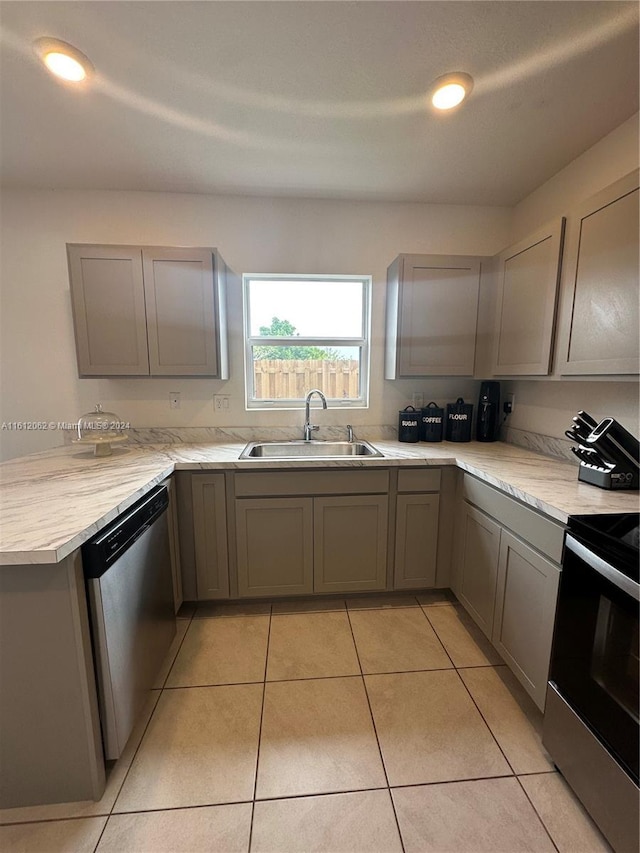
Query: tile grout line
484	720
535	810
175	657
264	691
432	626
375	731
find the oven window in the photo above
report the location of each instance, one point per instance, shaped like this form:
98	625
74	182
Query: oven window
594	662
615	664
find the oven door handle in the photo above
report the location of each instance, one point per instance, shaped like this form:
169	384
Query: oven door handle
603	568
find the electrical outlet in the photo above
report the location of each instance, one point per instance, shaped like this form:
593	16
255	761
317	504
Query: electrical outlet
509	404
221	402
174	399
417	399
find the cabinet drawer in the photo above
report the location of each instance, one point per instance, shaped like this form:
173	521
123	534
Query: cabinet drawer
541	532
255	484
419	480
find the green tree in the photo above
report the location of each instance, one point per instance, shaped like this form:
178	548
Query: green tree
285	329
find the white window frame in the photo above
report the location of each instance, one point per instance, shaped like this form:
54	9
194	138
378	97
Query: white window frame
363	343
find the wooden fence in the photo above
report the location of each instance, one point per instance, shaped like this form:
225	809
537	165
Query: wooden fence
276	379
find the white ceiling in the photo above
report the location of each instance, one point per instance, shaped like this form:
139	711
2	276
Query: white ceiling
316	99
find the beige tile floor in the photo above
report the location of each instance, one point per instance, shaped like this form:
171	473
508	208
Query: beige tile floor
369	724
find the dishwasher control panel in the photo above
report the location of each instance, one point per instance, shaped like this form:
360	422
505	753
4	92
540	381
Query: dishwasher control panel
105	547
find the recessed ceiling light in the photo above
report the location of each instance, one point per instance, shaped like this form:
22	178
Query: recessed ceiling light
63	59
450	90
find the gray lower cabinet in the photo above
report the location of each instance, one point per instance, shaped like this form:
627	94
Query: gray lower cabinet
302	545
350	543
525	607
300	532
274	546
415	557
477	564
508	585
210	535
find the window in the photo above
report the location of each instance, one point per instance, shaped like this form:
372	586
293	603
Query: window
304	332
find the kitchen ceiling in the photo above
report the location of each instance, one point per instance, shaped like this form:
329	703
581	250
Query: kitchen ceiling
314	99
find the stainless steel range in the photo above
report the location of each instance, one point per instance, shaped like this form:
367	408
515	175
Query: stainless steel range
592	718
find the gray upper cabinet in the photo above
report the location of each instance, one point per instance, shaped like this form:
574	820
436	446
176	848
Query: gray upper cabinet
600	292
528	277
181	311
432	314
149	311
107	295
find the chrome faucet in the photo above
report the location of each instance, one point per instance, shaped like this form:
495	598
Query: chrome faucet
349	433
308	429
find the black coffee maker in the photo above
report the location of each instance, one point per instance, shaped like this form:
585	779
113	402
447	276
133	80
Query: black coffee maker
488	423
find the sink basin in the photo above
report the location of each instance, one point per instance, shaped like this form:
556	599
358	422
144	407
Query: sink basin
308	449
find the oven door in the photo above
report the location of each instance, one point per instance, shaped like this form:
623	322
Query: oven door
594	662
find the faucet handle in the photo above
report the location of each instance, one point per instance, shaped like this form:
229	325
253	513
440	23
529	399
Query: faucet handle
308	429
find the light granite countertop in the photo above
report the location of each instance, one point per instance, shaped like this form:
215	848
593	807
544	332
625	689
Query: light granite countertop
52	502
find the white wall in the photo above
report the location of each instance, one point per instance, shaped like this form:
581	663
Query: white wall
37	358
614	156
38	376
548	406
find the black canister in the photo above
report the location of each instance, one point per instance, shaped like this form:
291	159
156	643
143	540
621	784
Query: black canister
409	424
459	417
432	418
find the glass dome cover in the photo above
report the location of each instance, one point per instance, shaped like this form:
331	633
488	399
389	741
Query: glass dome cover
98	426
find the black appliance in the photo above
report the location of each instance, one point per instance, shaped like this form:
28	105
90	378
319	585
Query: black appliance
609	455
592	715
488	423
409	424
459	417
432	422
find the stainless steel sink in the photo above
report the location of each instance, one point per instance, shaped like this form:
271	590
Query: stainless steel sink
308	449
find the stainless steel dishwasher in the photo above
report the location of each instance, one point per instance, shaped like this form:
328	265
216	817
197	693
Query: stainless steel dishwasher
127	567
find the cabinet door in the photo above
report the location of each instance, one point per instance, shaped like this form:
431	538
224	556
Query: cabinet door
432	312
528	275
477	564
181	311
600	290
350	543
274	541
210	535
525	613
416	541
174	543
107	296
